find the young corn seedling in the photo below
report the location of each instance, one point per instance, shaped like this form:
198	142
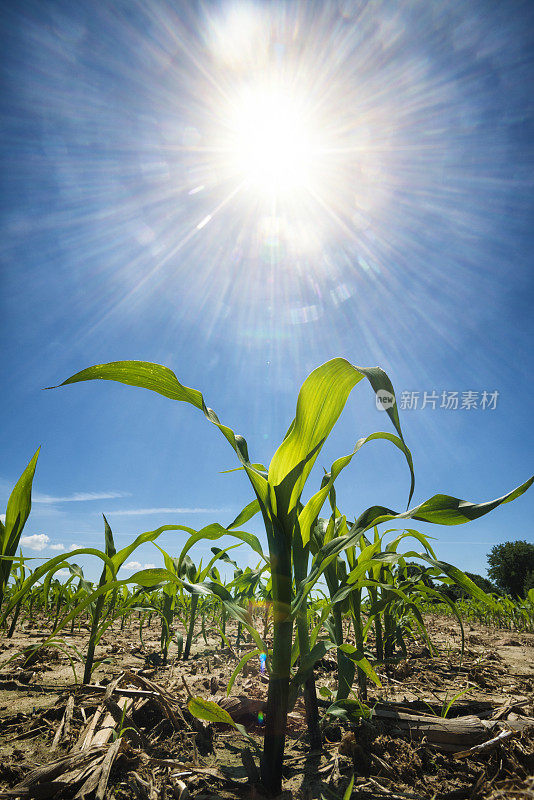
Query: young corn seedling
18	576
105	592
278	492
184	569
17	512
288	521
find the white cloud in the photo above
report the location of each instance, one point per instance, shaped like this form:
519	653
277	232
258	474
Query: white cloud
3	517
57	546
135	566
38	541
74	547
78	497
131	512
62	573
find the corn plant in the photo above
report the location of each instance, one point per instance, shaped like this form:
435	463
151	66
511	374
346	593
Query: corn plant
94	600
185	570
18	576
17	512
288	521
506	613
278	494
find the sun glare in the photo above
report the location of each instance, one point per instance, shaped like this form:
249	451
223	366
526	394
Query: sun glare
272	143
290	163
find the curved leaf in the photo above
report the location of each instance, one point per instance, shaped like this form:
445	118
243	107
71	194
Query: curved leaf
244	515
363	663
321	400
440	509
216	531
209	711
161	379
246	658
315	503
18	508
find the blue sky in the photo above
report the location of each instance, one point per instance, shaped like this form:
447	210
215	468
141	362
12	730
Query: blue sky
131	228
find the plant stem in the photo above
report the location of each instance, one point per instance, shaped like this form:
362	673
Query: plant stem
14	619
356	603
310	692
300	568
278	696
194	603
89	658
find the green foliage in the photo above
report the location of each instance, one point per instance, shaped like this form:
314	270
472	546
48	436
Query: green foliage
511	566
290	525
504	612
455	592
209	711
17	512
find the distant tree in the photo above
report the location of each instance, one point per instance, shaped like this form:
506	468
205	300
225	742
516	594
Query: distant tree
529	583
511	566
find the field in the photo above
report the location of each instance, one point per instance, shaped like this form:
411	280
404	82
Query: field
61	738
337	667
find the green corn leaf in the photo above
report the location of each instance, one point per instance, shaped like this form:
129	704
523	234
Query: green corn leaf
308	662
245	514
321	400
160	379
240	666
18	508
322	618
223	555
17	512
361	661
108	537
150	578
236	611
411	533
348	710
348	790
148	536
280	496
209	711
446	708
218	554
315	503
142	374
216	531
459	577
440	509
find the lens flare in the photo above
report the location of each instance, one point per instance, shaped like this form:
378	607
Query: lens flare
293	171
272	141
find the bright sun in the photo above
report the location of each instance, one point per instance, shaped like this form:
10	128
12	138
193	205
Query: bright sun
272	142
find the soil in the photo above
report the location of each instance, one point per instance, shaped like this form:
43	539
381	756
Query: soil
156	749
